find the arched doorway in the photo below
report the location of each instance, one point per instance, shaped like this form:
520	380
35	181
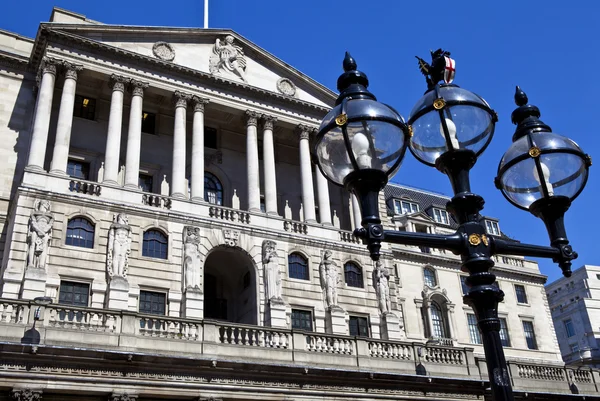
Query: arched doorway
230	290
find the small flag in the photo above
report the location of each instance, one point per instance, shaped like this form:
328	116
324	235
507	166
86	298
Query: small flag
450	70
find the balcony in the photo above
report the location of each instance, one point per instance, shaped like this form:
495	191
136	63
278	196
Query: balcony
130	332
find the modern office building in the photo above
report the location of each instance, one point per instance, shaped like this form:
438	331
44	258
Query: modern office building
165	236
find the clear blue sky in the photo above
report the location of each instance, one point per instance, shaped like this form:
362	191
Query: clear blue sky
549	48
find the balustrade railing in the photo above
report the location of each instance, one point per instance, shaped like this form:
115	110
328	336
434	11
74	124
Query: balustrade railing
173	328
538	372
507	260
329	344
348	236
12	311
295	227
263	337
581	376
156	201
381	349
451	356
84	187
67	317
224	213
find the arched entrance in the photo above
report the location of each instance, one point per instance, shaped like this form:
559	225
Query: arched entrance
230	290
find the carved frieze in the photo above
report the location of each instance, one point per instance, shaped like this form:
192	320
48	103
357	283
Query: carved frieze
26	394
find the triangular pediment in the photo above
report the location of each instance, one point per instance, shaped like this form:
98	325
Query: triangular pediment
219	52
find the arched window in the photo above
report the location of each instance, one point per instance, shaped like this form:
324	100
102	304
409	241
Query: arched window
429	277
213	190
353	275
438	324
80	232
298	266
155	244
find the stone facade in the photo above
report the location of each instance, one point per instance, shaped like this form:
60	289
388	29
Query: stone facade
188	239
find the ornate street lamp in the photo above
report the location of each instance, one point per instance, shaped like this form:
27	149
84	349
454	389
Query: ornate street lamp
361	143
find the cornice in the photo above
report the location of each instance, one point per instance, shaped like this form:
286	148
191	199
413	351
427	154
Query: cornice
47	31
13	61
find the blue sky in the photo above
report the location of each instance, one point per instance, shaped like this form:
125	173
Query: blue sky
549	48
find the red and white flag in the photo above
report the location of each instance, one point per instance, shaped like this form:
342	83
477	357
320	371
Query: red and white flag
450	70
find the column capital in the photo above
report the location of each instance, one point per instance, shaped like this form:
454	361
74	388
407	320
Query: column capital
268	121
71	70
137	87
49	65
304	131
199	103
180	99
252	118
118	82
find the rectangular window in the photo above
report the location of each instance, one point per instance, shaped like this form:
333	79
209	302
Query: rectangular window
359	326
440	216
529	334
521	294
574	347
210	137
492	227
473	329
405	207
569	328
463	284
153	303
504	337
301	320
72	293
78	169
84	107
148	122
145	182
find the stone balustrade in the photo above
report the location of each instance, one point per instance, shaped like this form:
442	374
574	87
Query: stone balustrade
297	227
165	335
510	261
228	214
348	236
159	201
85	187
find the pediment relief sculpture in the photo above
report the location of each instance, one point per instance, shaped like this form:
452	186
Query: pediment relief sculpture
228	58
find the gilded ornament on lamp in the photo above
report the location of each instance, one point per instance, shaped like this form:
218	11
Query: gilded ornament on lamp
474	239
534	151
342	119
439	103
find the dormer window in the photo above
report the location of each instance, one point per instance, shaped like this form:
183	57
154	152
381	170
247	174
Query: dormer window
405	207
440	216
492	227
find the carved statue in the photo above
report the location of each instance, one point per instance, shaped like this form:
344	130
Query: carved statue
192	272
229	57
119	246
381	282
271	271
329	279
39	235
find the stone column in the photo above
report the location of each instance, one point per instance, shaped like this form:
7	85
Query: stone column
323	195
115	123
198	149
178	164
252	161
134	135
41	122
65	120
308	194
269	165
356	211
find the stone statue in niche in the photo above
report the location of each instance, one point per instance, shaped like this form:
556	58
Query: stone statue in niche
271	271
228	57
119	246
192	272
39	235
381	282
329	279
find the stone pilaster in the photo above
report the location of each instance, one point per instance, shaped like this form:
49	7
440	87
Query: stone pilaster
308	193
252	161
134	135
269	165
113	137
180	101
198	149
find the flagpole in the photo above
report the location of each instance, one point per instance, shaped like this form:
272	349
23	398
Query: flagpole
205	14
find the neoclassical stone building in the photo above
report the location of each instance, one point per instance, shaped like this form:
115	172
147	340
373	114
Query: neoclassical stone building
166	236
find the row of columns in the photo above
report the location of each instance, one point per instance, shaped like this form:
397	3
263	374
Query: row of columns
181	101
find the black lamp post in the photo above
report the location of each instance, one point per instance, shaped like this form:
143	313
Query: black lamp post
361	143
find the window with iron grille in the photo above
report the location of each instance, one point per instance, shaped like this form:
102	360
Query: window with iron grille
359	326
298	266
429	277
153	303
521	294
78	169
353	275
302	320
84	107
73	293
529	334
504	337
155	244
569	328
80	232
473	329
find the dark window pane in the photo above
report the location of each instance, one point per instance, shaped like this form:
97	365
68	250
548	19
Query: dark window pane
529	335
463	284
213	190
504	337
84	107
78	169
359	326
155	244
473	329
152	302
148	122
438	325
210	137
298	266
301	320
72	293
521	294
145	182
429	277
353	275
569	328
80	232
